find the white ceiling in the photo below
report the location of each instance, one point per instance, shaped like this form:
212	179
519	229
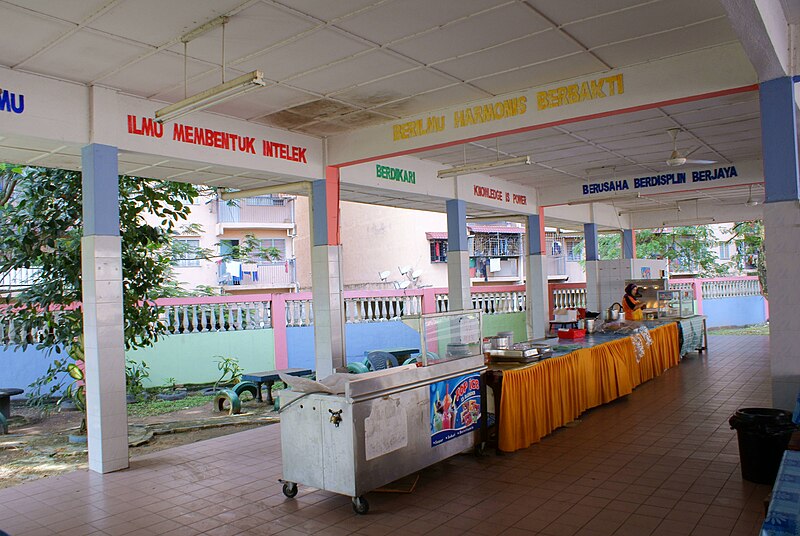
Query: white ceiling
722	129
334	66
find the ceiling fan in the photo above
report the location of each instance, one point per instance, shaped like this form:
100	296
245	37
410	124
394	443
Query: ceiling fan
677	159
751	201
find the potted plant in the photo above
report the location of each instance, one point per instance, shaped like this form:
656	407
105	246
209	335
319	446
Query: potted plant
171	391
135	374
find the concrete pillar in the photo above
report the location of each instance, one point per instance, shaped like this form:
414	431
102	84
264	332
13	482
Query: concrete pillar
536	290
628	244
782	220
327	293
592	274
458	284
103	325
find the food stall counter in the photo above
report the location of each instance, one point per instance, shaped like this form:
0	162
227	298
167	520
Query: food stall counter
351	434
532	400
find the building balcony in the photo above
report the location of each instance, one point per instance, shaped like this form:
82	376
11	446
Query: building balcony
496	270
556	266
256	213
18	280
234	276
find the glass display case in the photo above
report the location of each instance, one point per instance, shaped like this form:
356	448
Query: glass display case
449	336
675	303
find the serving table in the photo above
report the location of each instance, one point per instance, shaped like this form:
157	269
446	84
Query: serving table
532	400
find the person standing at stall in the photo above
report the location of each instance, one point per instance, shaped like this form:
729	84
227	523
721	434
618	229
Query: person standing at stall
631	305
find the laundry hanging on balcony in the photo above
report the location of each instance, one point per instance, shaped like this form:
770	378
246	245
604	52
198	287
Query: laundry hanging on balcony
234	270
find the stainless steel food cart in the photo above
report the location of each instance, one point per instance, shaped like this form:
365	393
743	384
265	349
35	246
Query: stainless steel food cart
390	423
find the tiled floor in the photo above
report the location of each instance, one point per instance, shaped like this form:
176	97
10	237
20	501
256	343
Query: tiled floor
662	461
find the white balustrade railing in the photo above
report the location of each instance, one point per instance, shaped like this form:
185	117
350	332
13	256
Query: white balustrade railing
681	285
496	303
372	309
492	303
442	303
569	298
730	288
299	313
204	317
18	279
197	315
360	309
14	332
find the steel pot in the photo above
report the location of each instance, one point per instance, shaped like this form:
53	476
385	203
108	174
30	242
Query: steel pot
500	343
612	315
508	335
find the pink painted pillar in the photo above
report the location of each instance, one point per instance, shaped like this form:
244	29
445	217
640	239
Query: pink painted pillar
278	305
697	288
428	301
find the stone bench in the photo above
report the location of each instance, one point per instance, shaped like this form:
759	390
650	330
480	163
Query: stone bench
5	399
5	405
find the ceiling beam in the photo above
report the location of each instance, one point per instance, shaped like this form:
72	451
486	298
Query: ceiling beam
764	33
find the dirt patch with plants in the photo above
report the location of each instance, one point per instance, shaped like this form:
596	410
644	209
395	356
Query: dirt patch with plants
38	443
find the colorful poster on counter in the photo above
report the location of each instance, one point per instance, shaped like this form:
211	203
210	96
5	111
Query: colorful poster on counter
455	407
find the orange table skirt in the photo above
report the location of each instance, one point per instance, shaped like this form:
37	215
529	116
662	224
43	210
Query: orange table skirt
540	398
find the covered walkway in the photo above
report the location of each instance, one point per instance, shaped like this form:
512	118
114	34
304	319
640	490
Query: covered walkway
661	461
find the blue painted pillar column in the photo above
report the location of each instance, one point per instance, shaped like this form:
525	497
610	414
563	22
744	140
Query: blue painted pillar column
103	324
781	221
458	283
327	292
628	244
536	291
592	268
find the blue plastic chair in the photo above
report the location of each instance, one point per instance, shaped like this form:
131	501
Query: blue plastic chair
381	360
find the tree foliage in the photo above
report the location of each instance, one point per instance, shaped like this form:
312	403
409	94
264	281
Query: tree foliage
686	248
609	246
43	230
748	237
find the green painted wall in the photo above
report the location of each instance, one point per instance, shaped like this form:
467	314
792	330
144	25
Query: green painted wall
505	322
192	358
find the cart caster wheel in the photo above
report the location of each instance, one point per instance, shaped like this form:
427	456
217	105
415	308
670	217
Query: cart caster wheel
289	489
360	505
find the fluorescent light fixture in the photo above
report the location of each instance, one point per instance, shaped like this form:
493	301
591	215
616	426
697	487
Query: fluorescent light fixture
502	218
696	221
605	199
200	30
301	188
483	166
217	94
670	207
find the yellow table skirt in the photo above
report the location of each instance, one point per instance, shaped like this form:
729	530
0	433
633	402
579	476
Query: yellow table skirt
540	398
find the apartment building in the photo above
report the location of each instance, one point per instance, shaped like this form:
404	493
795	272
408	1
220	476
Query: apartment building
219	227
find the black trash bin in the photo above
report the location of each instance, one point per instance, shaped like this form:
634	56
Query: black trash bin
763	435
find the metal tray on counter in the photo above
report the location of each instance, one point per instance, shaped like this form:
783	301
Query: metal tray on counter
521	352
